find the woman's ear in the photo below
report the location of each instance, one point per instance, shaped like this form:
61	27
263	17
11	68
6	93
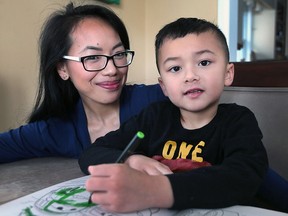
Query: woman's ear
229	74
162	85
61	69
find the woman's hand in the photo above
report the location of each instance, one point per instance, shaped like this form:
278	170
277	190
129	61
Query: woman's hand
120	188
147	165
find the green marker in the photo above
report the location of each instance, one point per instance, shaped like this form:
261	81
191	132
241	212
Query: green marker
130	147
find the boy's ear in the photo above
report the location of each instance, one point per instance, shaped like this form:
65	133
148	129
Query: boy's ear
229	75
61	69
162	85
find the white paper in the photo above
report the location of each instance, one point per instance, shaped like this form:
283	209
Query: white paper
71	199
65	199
231	211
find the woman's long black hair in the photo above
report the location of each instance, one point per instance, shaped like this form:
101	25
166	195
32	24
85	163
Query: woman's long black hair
56	97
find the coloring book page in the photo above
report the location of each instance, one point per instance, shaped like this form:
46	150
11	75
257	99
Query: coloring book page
71	199
65	199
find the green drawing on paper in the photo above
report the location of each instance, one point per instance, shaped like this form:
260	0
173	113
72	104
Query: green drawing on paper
27	212
72	200
65	200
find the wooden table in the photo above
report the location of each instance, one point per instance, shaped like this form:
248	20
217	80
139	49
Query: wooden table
27	176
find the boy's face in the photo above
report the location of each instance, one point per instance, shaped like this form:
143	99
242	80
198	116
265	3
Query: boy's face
194	71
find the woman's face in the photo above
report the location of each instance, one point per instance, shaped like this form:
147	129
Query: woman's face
95	37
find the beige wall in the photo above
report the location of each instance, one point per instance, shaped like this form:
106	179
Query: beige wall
20	23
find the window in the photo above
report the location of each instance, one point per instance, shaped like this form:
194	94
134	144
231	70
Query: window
255	29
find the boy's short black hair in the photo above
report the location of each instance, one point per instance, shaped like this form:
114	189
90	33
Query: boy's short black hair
183	26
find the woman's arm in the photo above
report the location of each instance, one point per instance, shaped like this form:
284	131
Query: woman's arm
42	139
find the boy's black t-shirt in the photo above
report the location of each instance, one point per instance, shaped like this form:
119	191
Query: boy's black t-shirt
231	142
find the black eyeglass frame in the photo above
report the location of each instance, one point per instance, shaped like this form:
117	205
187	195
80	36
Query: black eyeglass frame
82	59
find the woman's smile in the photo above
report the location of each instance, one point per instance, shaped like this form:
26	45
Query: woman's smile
110	85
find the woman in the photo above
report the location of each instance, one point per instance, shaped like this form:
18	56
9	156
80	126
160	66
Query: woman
84	59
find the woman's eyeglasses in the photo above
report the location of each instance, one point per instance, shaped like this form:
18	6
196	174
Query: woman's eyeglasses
94	63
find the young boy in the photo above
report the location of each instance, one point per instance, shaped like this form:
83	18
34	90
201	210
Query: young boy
193	61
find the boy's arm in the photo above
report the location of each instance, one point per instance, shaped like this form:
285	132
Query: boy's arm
108	148
99	153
